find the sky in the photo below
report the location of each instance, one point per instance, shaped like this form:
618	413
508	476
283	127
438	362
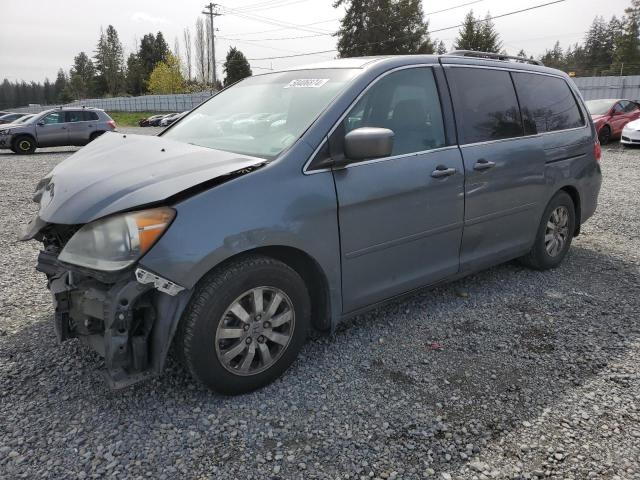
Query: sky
37	37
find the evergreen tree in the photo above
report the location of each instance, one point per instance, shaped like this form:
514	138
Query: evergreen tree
469	35
489	37
82	77
627	45
136	79
383	27
236	67
109	62
441	49
554	58
478	35
60	89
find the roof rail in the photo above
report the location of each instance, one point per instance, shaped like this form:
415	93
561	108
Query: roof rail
494	56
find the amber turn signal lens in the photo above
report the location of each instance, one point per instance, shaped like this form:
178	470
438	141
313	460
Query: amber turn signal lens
151	224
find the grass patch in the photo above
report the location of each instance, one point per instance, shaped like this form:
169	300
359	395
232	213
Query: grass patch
129	119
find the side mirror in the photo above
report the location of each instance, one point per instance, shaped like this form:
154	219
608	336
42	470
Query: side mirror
368	142
40	123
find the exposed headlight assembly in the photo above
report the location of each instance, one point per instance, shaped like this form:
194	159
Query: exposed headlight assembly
116	242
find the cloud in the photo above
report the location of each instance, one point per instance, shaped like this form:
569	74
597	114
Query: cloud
144	17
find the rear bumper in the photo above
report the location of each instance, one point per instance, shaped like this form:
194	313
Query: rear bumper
129	323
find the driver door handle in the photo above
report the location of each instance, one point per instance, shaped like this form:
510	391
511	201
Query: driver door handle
483	164
442	171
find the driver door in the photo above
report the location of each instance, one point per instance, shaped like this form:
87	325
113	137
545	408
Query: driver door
51	130
400	218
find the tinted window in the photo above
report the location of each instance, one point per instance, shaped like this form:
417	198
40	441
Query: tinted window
56	117
547	103
618	107
631	107
406	102
486	104
88	116
75	116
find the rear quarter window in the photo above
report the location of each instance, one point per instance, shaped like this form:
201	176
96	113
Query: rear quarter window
485	104
547	103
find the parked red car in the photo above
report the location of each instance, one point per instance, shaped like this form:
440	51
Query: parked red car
611	115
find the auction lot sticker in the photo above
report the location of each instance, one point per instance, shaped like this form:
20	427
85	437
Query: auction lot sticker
307	83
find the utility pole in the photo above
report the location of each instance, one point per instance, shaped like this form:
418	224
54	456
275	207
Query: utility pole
211	11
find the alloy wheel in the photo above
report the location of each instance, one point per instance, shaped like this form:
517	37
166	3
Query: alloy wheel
254	331
557	231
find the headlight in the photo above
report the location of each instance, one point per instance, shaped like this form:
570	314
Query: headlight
6	131
117	242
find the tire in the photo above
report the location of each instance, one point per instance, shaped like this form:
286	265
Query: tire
215	341
604	136
559	214
24	145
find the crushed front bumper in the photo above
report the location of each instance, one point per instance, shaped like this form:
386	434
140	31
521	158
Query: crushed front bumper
129	318
5	140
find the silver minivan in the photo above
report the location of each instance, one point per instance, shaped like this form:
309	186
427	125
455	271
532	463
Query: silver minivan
295	199
56	128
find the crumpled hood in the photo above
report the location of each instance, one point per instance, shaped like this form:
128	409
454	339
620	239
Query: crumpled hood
122	171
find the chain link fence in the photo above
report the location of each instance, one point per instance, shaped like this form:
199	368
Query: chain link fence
146	103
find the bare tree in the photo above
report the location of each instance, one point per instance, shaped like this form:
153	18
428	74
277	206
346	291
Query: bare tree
187	54
201	52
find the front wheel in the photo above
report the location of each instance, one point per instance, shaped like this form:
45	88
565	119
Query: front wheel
554	235
245	325
24	145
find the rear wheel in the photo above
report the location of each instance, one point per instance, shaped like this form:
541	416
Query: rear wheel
554	235
24	144
94	135
245	325
605	135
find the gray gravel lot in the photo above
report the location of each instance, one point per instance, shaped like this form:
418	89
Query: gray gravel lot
509	373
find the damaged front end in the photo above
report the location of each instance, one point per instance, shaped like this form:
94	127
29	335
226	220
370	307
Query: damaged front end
128	317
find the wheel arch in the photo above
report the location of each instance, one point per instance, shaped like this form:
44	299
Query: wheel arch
307	267
575	197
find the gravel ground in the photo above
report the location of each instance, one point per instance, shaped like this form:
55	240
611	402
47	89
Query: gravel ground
509	373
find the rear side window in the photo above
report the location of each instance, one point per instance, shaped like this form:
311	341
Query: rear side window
485	103
406	102
88	116
73	116
547	103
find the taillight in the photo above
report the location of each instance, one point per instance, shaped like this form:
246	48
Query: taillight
112	124
597	150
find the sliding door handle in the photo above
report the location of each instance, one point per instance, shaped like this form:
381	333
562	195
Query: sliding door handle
483	164
442	171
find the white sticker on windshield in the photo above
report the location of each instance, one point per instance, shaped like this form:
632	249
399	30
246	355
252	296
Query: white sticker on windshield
307	83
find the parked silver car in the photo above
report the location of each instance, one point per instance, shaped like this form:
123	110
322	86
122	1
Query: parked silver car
297	199
56	128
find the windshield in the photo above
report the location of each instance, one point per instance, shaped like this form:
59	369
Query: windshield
24	119
599	107
263	115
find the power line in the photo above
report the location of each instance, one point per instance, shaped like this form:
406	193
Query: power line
334	20
268	5
409	36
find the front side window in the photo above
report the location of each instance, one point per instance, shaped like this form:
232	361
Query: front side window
631	107
56	117
547	103
486	104
262	115
406	102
